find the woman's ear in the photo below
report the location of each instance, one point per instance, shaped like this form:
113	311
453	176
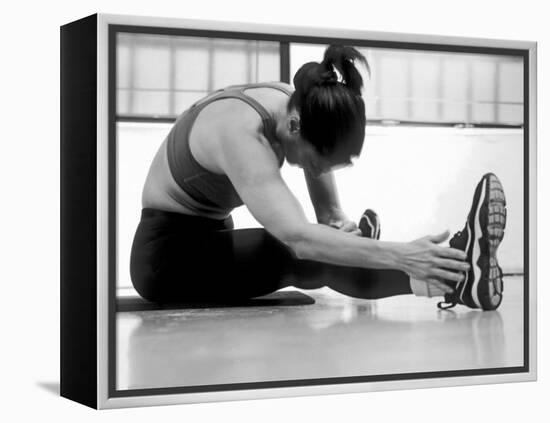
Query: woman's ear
294	125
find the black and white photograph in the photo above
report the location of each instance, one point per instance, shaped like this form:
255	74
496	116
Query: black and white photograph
285	208
311	211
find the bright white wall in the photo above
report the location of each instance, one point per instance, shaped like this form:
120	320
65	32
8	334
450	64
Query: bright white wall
419	180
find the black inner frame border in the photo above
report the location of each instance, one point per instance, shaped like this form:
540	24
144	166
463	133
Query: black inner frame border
285	41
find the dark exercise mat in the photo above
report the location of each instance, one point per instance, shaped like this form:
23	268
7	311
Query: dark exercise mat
276	299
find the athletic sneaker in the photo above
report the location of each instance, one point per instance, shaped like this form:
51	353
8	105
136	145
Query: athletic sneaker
482	286
369	224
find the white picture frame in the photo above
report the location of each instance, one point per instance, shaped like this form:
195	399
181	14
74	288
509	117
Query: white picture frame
88	332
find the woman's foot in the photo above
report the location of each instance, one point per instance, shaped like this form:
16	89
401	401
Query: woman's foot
482	287
369	224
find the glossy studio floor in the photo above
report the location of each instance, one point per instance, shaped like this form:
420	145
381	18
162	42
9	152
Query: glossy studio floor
337	336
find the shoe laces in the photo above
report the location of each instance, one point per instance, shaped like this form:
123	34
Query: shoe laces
450	300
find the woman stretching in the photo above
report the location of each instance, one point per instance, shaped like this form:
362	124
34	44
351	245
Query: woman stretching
227	150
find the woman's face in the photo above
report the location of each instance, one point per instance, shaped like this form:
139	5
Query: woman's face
304	155
300	152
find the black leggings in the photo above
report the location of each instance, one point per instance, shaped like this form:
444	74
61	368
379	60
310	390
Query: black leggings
178	258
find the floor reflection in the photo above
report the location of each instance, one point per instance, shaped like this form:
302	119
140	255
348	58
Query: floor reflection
336	337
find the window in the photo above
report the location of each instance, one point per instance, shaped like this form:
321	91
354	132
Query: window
160	76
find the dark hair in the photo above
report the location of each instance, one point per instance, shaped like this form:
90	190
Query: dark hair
332	111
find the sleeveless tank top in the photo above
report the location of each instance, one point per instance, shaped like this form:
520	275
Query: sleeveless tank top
213	191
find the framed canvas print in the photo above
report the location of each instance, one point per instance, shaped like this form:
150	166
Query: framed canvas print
255	211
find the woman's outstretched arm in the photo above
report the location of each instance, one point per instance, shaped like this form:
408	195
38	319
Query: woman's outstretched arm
252	167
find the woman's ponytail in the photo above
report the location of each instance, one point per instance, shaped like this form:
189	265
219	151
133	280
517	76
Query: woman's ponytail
331	107
343	58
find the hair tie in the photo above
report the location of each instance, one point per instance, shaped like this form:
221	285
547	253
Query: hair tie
327	74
